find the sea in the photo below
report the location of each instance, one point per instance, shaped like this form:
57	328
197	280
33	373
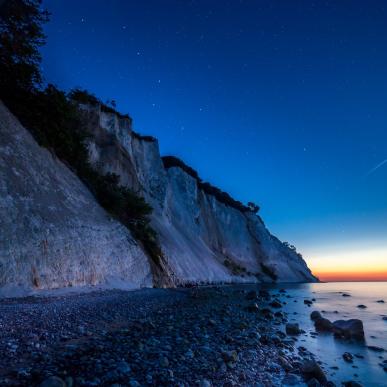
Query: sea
367	367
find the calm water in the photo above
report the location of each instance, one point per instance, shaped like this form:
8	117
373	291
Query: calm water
330	350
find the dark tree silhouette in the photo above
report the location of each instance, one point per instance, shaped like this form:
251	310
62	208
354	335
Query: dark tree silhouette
21	35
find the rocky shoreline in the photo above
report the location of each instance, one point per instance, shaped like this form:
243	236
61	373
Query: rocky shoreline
212	336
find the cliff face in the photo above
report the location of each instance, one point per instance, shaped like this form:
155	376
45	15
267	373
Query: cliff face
54	234
203	240
52	231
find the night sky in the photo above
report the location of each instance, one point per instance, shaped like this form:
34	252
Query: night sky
280	102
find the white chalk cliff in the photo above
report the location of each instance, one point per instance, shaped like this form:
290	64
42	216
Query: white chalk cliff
203	240
54	234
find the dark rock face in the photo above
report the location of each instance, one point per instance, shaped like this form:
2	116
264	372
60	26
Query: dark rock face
310	369
323	325
349	329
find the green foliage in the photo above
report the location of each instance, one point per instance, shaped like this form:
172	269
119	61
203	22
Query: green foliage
269	271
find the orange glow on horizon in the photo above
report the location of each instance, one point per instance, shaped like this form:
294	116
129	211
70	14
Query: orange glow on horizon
351	276
347	265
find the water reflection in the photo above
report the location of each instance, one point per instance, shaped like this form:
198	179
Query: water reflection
333	305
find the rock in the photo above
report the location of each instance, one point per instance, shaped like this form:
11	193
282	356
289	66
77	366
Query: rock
348	357
284	364
205	383
375	349
291	380
380	301
293	329
315	315
352	383
323	325
251	295
123	368
310	369
164	362
308	302
346	295
230	356
253	308
313	383
264	293
384	318
53	381
349	329
361	306
275	304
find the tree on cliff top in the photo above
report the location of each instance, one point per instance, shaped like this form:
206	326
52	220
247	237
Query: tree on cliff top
21	36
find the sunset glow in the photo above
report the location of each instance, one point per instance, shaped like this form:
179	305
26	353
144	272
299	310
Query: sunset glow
359	265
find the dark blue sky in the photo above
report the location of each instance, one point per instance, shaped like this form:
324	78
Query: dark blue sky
279	102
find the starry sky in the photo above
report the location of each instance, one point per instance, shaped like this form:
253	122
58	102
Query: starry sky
280	102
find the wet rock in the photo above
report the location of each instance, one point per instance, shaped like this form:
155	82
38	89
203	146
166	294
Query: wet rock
284	363
348	357
253	308
53	381
308	302
291	380
375	348
313	383
310	369
380	301
276	304
293	329
352	383
323	325
349	329
315	315
264	293
251	295
346	295
361	306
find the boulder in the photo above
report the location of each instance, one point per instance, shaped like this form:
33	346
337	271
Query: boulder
349	329
315	315
311	370
293	329
323	325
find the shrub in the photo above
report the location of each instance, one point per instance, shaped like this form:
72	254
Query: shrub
269	271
